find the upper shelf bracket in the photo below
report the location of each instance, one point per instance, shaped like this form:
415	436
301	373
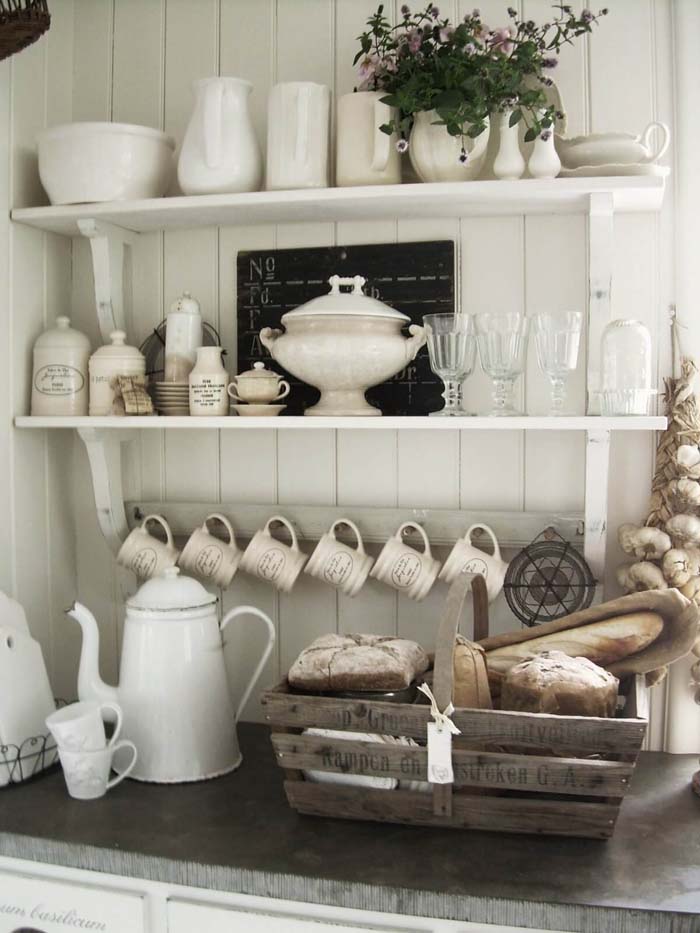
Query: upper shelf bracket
111	265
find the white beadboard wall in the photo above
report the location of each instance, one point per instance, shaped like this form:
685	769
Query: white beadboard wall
134	61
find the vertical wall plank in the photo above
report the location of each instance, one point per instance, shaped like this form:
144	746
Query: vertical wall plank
92	65
7	561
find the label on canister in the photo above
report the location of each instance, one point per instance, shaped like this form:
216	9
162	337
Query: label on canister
56	379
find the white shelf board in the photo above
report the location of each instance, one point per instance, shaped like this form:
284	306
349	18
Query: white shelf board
235	423
447	199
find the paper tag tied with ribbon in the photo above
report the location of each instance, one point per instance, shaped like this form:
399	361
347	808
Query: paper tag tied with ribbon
440	733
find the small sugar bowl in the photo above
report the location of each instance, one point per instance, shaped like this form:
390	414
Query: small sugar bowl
258	386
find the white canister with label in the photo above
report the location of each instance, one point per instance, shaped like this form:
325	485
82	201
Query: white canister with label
208	384
114	359
183	337
60	378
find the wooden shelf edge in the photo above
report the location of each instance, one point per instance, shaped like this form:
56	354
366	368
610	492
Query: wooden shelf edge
421	423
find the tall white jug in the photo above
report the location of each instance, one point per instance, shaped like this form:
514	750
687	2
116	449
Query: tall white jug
298	117
220	152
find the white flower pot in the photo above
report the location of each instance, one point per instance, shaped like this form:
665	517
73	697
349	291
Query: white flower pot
435	154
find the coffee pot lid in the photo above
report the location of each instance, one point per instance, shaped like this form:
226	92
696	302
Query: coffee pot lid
170	591
62	336
354	303
259	371
118	348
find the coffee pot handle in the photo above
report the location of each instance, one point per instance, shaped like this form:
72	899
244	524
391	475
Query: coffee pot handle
382	142
252	610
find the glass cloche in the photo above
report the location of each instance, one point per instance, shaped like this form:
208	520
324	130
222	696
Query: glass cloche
625	351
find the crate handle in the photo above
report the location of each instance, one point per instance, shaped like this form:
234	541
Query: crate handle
443	676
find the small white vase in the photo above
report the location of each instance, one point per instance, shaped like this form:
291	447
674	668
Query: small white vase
435	154
544	161
509	163
208	384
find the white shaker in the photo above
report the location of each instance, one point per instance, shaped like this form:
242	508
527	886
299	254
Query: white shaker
208	384
60	377
298	119
114	359
183	337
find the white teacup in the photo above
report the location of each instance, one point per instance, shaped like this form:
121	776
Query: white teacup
209	557
344	567
87	772
80	726
465	557
272	560
146	555
403	567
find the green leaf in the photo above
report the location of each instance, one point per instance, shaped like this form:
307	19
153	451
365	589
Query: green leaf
530	135
449	100
391	100
515	117
476	130
387	128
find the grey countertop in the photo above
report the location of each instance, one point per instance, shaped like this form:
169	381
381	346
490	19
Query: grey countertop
238	834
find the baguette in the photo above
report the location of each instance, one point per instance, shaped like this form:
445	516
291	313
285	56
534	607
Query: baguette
601	642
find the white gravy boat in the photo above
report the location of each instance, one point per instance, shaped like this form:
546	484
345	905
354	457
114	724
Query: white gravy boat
613	148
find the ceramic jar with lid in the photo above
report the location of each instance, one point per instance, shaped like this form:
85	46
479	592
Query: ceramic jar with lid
208	384
258	386
183	337
114	359
343	343
60	377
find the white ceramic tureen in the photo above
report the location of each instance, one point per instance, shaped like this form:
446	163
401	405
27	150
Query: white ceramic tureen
343	343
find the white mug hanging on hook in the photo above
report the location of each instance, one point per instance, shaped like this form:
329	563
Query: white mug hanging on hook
298	115
409	571
464	557
145	555
210	558
344	567
272	560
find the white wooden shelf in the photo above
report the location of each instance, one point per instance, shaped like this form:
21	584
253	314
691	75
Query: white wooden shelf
447	199
590	423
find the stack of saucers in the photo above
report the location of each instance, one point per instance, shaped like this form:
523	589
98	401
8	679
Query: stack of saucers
172	398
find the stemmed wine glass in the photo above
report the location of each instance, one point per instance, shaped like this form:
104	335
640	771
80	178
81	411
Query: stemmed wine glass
557	337
502	340
452	350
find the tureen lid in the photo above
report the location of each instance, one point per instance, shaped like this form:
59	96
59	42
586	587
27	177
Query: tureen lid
170	590
354	302
259	371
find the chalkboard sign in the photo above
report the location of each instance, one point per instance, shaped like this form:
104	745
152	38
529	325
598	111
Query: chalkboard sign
414	278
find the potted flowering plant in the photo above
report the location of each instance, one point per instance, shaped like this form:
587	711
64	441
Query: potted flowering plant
446	80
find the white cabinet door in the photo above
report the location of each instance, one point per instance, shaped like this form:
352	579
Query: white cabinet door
37	904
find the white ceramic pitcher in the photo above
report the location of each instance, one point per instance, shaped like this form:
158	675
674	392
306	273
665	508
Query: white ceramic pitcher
220	152
298	116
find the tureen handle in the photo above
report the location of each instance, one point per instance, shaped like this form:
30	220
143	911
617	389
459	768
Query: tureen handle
415	341
268	338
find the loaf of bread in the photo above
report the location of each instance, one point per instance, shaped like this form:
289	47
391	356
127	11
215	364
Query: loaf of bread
471	682
553	682
358	662
601	642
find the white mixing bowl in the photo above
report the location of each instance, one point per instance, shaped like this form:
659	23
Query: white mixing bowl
85	162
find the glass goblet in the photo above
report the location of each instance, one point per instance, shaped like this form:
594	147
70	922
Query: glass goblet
557	338
502	340
452	350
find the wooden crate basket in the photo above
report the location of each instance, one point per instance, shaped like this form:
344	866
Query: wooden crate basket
513	772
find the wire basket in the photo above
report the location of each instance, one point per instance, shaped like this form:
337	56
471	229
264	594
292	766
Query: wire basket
19	763
21	23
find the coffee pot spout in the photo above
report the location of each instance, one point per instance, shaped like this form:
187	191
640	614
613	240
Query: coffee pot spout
90	684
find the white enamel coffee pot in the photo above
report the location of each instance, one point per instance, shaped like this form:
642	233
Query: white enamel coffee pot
173	689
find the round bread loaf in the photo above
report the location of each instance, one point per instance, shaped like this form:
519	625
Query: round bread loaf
554	682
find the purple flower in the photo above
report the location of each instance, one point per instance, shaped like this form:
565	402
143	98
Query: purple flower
476	12
545	135
470	49
435	11
406	10
463	156
368	67
415	39
550	62
501	40
512	12
446	33
586	16
402	145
